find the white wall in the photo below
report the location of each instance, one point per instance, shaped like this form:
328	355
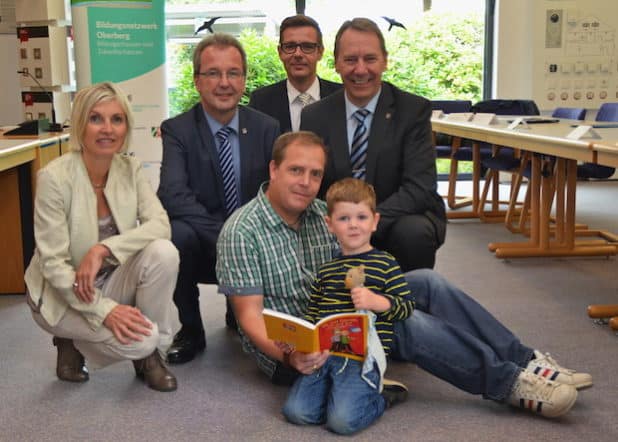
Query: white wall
10	98
523	59
512	70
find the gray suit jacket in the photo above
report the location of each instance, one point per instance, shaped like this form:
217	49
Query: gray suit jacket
401	160
191	185
273	100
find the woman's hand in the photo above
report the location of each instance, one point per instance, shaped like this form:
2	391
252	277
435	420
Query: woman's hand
127	323
307	363
83	287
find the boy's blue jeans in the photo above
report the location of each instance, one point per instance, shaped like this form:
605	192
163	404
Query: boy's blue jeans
337	395
453	337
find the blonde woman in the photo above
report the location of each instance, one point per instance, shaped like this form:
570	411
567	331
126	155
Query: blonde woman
103	271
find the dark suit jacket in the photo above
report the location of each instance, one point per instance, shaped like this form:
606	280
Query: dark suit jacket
191	185
401	160
273	100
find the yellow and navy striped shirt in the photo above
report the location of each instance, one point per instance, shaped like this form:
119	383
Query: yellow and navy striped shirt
382	276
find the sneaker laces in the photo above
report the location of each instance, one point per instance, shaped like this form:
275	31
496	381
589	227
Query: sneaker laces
547	361
531	386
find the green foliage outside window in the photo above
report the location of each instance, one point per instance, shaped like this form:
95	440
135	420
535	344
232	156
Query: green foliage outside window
438	57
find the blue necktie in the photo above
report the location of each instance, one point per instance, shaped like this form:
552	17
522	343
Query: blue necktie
358	152
227	168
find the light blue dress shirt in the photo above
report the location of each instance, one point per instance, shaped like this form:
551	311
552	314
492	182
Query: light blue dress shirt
351	121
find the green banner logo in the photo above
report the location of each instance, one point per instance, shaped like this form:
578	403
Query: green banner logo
125	41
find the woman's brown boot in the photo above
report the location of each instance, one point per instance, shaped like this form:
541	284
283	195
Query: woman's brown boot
70	365
154	372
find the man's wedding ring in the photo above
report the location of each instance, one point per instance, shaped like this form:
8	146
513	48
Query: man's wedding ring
315	367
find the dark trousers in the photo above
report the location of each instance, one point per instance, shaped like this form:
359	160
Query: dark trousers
197	265
412	239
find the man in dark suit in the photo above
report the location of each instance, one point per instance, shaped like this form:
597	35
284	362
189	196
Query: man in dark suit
215	156
300	48
387	143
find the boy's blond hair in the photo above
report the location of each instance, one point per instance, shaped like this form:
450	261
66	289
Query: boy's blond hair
350	190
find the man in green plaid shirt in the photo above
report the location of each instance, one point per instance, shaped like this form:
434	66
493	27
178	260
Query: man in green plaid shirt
270	249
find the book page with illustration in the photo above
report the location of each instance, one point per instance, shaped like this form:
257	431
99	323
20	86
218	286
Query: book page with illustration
343	334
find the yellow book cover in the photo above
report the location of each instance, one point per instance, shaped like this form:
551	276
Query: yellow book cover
343	334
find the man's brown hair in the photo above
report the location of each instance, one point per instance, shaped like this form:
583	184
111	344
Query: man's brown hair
297	21
219	40
303	136
361	24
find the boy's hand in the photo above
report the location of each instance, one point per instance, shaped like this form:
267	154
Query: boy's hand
365	299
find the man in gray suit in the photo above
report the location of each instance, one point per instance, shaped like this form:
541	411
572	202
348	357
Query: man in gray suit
382	134
300	48
215	156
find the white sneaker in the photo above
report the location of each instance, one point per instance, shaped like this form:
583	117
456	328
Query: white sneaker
546	366
540	395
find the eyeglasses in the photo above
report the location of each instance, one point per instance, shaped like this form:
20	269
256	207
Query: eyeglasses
214	74
306	47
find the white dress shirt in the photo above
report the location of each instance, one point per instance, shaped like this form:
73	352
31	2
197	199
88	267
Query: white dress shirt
296	106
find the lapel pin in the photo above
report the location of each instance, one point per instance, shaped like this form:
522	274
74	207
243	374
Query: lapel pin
388	116
244	130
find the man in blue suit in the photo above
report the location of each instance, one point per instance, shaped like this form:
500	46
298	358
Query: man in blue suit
300	48
391	149
215	156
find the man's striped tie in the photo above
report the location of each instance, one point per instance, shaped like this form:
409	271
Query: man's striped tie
358	152
227	168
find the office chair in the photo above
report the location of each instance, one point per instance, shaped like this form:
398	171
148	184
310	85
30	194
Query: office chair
522	170
443	142
498	158
446	146
569	113
607	112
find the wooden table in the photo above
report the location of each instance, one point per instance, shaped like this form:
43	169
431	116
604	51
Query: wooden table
606	152
540	139
20	158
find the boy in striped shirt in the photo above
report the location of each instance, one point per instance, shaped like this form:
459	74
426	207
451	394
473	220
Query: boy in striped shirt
344	393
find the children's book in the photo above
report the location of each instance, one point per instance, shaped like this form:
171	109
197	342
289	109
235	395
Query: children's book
343	334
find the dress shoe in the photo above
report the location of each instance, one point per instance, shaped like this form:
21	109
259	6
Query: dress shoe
230	320
154	372
186	346
70	365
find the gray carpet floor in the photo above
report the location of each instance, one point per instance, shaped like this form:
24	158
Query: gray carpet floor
222	396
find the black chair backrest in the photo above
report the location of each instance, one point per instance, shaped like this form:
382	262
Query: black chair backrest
451	106
506	107
571	113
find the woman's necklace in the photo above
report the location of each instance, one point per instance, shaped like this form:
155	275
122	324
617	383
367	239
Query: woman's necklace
99	186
